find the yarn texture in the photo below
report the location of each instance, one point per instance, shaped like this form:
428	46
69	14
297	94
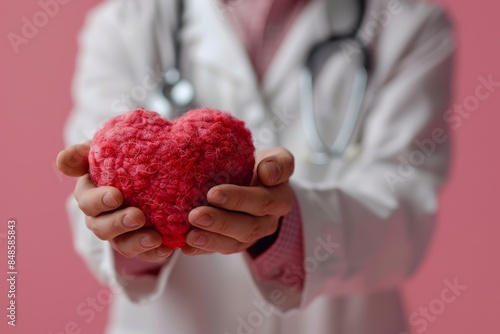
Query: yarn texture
165	168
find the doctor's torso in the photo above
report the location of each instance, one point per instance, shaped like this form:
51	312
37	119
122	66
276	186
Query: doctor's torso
216	293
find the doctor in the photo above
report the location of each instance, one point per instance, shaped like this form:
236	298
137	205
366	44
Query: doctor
321	251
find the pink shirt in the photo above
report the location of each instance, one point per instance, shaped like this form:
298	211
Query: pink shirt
262	31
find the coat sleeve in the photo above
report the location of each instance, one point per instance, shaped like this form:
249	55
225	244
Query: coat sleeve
367	227
103	87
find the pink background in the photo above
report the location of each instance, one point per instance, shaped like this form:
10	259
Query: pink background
52	280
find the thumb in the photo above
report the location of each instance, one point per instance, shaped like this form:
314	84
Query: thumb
73	161
276	165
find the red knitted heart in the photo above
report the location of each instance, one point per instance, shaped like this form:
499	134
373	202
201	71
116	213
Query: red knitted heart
165	168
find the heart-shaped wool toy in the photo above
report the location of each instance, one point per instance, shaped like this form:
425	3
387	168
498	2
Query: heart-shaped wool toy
165	168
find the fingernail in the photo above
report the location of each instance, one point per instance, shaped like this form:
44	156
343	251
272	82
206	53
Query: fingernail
193	251
147	242
274	170
202	240
109	200
129	222
161	252
218	197
204	221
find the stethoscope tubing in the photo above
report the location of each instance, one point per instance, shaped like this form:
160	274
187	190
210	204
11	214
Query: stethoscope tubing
165	101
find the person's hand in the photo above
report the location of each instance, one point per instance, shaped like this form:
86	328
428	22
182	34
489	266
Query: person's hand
243	215
123	228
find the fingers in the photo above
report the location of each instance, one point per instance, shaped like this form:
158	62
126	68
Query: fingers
243	215
213	242
123	228
191	251
110	225
242	227
225	232
133	243
157	254
73	161
94	200
274	166
257	201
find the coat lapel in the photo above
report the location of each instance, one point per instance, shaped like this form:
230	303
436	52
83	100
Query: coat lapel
317	21
214	45
217	51
218	44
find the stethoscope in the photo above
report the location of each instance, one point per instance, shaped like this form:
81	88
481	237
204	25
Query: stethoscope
175	94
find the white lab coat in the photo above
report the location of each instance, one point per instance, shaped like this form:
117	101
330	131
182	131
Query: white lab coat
376	211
